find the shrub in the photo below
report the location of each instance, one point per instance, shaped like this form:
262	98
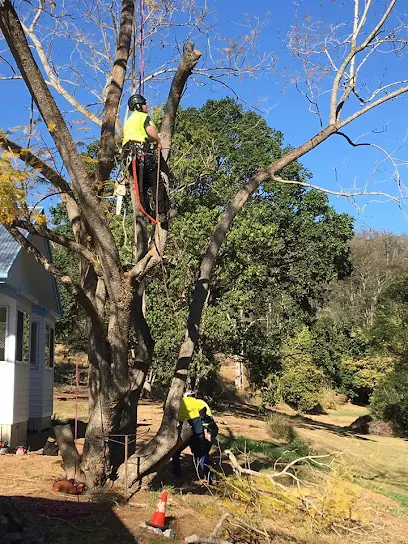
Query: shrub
302	387
367	373
280	428
390	399
332	400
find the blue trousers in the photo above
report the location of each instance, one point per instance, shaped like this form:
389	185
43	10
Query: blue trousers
200	448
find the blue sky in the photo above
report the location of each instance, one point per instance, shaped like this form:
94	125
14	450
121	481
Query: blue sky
332	164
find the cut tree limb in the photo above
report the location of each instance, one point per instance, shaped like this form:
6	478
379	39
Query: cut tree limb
72	459
195	539
188	62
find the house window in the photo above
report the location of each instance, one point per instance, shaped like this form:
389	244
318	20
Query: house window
3	332
49	346
34	344
23	337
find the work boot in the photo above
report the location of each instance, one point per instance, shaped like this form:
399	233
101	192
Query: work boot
166	217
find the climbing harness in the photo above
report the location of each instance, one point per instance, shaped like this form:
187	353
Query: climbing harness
136	186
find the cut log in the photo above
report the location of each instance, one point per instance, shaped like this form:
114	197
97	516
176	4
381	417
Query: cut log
72	459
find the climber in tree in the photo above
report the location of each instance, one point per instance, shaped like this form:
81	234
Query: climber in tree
139	132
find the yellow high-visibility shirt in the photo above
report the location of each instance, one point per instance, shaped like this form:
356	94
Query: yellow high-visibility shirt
190	408
135	126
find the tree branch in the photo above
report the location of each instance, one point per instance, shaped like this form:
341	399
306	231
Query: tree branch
53	177
114	91
65	280
369	107
53	236
54	81
37	164
188	62
335	108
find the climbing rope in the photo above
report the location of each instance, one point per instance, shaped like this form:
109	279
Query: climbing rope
137	192
141	46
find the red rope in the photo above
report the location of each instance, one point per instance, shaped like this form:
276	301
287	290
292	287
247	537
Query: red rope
136	185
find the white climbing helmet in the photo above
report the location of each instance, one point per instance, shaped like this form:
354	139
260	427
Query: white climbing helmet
190	393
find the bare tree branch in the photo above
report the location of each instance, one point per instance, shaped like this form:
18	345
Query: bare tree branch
335	106
382	100
53	236
75	289
114	91
188	62
55	82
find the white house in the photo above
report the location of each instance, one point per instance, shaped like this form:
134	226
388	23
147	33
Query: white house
29	309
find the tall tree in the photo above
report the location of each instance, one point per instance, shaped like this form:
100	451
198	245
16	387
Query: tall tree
112	296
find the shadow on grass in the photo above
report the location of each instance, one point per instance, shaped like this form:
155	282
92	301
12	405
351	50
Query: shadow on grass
69	521
248	411
189	481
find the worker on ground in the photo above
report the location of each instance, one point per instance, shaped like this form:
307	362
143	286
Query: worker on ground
139	132
199	416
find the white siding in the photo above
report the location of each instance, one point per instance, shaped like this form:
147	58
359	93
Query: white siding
7	366
37	372
10	304
6	393
36	389
48	377
41	377
26	275
48	380
21	392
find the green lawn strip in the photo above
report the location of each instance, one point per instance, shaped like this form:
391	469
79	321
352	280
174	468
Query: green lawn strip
390	489
286	452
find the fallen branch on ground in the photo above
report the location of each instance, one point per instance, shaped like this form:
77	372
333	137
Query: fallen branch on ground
194	539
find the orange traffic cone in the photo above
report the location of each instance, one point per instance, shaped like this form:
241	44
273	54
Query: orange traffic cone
159	516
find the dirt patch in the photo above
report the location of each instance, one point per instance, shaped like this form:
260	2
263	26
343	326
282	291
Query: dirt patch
192	508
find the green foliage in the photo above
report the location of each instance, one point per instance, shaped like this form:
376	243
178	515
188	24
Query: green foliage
301	387
278	256
332	400
285	453
367	372
71	330
389	332
280	428
332	343
301	382
390	399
